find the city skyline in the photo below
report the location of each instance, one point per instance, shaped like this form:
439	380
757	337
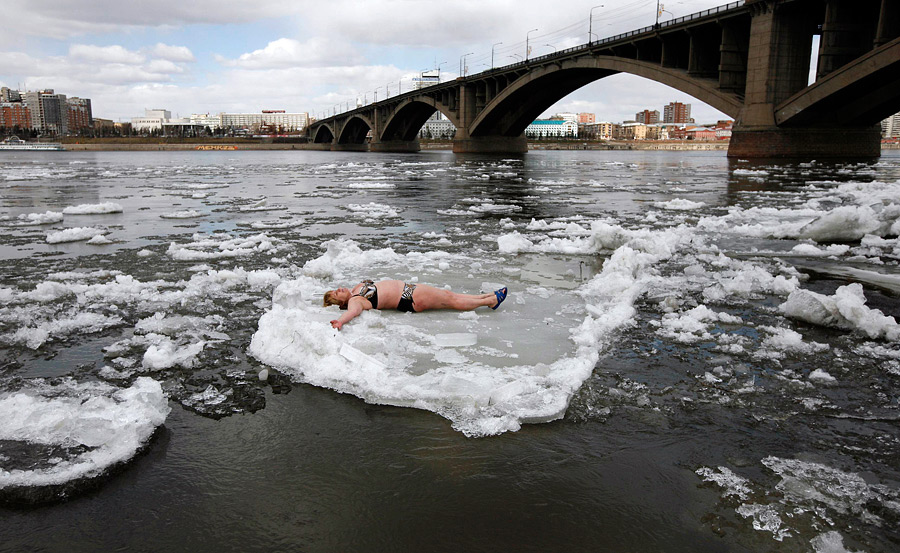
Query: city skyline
302	57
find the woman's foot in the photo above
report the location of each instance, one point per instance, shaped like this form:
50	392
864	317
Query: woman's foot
501	295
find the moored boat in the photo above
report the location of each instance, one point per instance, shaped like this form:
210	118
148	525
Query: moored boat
16	143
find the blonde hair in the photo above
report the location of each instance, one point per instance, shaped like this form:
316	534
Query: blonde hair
330	299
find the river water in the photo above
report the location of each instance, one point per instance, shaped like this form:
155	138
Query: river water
696	354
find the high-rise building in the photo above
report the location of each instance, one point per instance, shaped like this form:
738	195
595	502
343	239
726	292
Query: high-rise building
49	111
890	127
79	114
587	118
678	113
14	114
647	117
9	95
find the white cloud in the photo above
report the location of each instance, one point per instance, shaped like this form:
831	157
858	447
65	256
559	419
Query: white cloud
287	52
172	53
105	54
324	64
63	19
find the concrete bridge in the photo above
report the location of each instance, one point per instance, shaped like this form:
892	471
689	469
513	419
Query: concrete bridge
748	59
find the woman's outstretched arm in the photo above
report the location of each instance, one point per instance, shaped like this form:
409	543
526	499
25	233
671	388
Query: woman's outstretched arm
354	307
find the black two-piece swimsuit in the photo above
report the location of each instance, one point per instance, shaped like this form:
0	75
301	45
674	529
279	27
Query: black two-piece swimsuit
370	292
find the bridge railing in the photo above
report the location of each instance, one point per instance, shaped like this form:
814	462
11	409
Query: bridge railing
585	46
616	38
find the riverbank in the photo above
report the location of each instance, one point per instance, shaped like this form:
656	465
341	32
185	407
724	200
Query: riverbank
145	145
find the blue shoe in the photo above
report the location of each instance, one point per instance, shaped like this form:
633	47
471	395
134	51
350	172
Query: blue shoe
501	295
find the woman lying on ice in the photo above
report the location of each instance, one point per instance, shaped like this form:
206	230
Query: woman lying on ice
399	295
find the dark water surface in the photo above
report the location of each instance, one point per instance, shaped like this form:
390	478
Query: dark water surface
717	437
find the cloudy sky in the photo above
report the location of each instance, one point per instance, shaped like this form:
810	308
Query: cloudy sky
209	56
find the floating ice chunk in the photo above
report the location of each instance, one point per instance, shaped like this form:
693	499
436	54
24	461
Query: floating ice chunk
210	396
812	251
514	243
679	204
76	234
371	185
829	542
45	218
494	208
814	485
112	423
184	214
166	354
221	246
787	340
99	240
454	340
732	484
750	172
846	309
819	375
842	223
34	337
373	210
263	375
93	209
278	224
765	518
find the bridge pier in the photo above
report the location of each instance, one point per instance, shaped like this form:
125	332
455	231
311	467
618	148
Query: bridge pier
807	143
490	145
399	146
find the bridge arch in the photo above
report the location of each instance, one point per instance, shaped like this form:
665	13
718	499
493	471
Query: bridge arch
355	130
857	94
324	134
521	102
409	116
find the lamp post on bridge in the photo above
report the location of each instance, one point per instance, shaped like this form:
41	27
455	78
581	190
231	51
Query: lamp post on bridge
527	48
492	53
591	23
462	63
551	46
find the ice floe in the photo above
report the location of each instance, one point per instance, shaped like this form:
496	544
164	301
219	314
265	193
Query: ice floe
92	426
75	234
846	309
93	209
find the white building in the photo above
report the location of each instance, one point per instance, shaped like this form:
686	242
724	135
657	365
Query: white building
573	117
552	128
288	121
206	120
437	126
152	120
890	127
427	78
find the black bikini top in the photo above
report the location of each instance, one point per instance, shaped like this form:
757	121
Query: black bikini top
370	292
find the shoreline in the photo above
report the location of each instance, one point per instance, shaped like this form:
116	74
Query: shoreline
532	146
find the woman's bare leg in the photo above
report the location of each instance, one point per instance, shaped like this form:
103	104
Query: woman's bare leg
429	297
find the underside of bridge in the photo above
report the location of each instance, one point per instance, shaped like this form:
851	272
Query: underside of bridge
751	62
857	79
